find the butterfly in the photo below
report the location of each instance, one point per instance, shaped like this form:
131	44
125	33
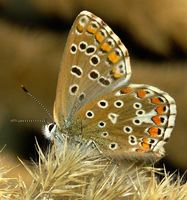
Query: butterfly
95	101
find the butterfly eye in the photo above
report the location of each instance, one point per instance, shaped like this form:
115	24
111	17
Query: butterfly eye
49	130
52	127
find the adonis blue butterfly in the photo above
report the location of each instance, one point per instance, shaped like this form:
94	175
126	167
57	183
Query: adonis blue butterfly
95	101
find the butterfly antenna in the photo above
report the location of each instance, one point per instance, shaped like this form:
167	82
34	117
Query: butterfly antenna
37	101
28	120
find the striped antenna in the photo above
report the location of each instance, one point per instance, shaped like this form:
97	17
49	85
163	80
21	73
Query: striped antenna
27	120
37	101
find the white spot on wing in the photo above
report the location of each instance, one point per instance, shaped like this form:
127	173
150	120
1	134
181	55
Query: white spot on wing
83	20
167	133
75	72
73	49
104	134
113	146
89	114
90	47
118	93
101	124
127	129
82	46
140	112
137	121
171	121
173	109
137	105
118	104
103	103
159	146
73	89
94	60
113	117
132	140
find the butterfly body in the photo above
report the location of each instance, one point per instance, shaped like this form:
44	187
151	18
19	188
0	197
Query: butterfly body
95	102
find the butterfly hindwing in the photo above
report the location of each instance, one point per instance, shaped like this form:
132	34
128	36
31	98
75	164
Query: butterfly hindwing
133	119
94	62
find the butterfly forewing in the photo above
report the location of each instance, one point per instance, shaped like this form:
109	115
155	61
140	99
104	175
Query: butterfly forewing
135	118
94	63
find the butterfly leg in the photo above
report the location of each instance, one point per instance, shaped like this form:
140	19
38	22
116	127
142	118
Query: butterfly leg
93	143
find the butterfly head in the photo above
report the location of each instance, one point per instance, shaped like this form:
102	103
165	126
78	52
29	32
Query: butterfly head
51	131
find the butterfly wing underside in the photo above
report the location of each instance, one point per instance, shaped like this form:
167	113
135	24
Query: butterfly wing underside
93	93
94	62
132	120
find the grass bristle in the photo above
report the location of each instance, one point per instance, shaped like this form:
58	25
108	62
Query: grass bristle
80	172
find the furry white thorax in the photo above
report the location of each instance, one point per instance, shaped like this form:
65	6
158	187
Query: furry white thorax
55	135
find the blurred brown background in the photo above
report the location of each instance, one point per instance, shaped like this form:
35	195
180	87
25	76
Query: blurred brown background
32	38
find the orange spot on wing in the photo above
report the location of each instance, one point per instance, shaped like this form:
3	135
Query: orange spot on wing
145	140
105	47
80	28
156	100
160	109
99	37
156	120
126	90
153	131
116	73
140	150
145	146
91	29
141	93
113	57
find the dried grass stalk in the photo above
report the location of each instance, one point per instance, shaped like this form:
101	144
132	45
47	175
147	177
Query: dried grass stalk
81	172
